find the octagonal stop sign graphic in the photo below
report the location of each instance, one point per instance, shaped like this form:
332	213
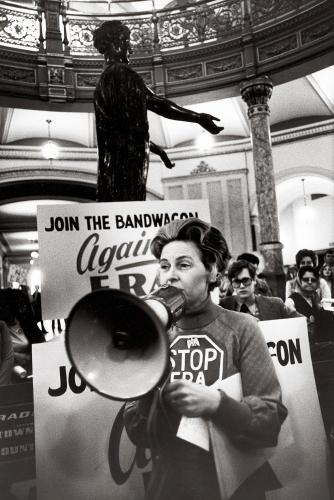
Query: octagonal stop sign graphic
196	358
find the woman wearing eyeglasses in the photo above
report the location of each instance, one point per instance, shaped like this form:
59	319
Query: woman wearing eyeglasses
208	344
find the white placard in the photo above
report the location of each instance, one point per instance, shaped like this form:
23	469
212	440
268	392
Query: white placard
86	246
82	450
303	468
300	461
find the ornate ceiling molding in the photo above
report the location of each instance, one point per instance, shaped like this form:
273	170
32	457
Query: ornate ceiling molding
46	173
307	131
218	173
89	155
34	153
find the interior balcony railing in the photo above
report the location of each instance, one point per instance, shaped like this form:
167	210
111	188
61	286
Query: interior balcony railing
24	27
21	26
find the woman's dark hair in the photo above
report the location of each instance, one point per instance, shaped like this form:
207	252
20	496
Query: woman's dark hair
208	239
308	269
305	253
237	266
109	38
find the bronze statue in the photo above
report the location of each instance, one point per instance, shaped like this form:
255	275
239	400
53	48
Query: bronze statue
121	102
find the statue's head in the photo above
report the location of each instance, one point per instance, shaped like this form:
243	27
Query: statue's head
112	39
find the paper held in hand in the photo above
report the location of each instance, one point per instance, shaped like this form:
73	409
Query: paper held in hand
237	465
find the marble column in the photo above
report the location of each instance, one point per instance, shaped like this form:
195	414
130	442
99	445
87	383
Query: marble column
256	93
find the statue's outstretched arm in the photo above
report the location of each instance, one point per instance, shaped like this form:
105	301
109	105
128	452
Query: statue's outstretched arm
169	109
157	150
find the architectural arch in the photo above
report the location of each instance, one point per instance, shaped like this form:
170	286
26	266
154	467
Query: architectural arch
18	185
305	210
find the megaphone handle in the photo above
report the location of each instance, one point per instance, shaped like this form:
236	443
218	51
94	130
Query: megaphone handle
157	401
151	424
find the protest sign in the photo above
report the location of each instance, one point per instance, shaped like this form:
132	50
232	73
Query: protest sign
303	467
82	450
300	459
93	245
17	447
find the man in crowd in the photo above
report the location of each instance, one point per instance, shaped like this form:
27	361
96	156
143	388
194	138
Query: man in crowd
242	276
261	286
329	258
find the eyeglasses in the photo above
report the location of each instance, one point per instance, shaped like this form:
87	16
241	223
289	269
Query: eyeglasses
245	282
310	280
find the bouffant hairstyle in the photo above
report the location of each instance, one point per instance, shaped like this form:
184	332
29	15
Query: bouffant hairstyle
208	239
308	269
304	252
237	266
109	38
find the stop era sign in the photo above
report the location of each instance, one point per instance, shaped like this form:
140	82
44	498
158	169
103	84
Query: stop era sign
196	358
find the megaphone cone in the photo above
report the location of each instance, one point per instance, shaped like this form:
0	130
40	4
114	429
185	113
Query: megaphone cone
117	344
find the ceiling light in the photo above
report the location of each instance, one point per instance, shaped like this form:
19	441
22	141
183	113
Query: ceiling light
204	141
308	212
50	149
34	254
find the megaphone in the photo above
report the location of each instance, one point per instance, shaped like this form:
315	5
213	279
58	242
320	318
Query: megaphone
118	343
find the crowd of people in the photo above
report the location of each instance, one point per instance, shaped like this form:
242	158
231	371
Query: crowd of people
307	284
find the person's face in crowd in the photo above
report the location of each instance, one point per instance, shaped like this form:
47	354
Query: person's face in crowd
327	271
306	261
244	285
224	286
329	258
309	283
181	266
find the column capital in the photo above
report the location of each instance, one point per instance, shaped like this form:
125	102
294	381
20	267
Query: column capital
256	93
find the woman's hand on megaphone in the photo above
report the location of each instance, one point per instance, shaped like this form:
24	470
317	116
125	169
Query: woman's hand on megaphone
190	399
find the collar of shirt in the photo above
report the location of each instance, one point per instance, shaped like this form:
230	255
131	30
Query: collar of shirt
253	309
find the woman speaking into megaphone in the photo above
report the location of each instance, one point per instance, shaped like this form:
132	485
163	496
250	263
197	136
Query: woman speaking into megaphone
207	344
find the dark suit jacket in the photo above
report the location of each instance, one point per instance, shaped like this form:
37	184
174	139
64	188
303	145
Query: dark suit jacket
269	307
